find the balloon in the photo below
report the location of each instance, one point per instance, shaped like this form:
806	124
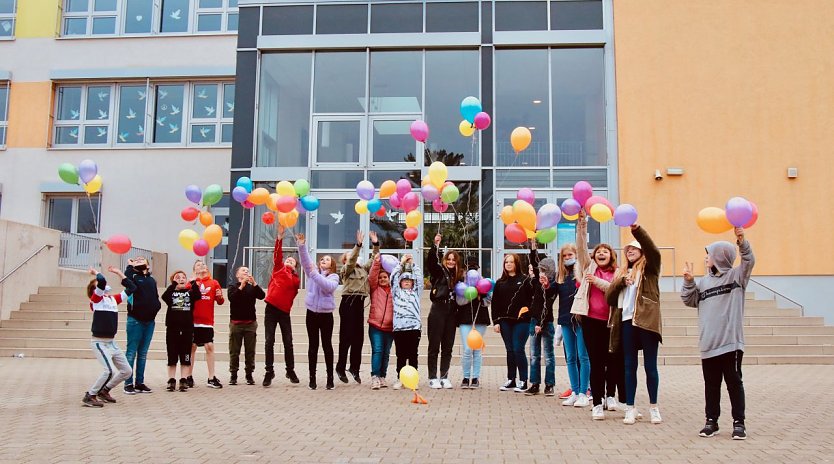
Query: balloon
413	218
625	215
285	189
470	294
520	138
87	170
206	218
212	194
601	213
548	216
68	173
239	194
247	204
570	217
374	205
755	217
301	187
381	211
466	128
258	196
310	202
409	377
582	190
245	183
300	207
439	206
460	288
430	192
187	238
594	199
472	277
438	173
189	213
365	190
411	201
571	207
530	233
286	204
507	216
267	218
713	220
526	194
395	201
739	211
119	244
469	107
524	214
194	194
410	234
475	340
515	233
482	121
420	130
213	235
450	194
403	187
94	185
361	207
387	188
389	263
483	286
288	219
272	201
200	247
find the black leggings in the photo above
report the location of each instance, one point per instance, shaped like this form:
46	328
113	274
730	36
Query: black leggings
351	332
320	324
407	343
606	368
178	344
442	329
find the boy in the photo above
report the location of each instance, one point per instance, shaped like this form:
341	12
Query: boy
719	297
407	289
280	293
142	308
210	293
243	325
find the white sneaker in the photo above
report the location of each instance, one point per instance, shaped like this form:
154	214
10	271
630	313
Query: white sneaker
398	385
382	383
521	387
597	413
631	415
611	404
374	383
508	385
435	383
581	401
655	414
569	401
446	383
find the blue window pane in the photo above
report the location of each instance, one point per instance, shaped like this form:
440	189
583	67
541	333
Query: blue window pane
7	6
74	6
442	110
203	133
338	141
342	19
396	82
585	14
232	25
4	97
175	15
66	135
2	135
521	16
209	22
226	133
102	26
228	100
284	110
340	82
138	16
205	102
98	103
6	27
69	104
211	3
131	114
95	135
104	5
75	26
168	118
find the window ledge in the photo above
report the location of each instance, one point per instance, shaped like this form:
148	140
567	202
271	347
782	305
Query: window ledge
146	36
140	147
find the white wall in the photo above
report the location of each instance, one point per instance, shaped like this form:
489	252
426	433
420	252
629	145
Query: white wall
814	293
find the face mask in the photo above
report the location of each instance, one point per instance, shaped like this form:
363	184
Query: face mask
570	262
141	268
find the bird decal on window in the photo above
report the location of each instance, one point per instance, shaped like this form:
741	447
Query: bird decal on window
230	106
176	15
102	131
204	131
141	94
74	114
161	121
141	131
123	137
210	110
130	114
102	95
74	133
338	216
102	114
174	128
162	94
202	94
174	110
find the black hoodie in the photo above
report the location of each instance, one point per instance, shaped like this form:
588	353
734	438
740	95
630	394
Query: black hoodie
144	303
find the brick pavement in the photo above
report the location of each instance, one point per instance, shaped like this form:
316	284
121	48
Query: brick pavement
43	421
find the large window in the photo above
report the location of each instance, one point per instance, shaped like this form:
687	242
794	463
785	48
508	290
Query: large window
442	112
7	18
190	114
4	112
284	109
73	214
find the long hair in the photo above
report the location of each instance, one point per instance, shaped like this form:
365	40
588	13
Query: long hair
611	264
333	268
635	269
91	287
562	270
459	271
506	275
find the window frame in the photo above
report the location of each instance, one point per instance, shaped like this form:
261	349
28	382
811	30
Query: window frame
78	202
10	16
4	122
82	122
90	15
225	11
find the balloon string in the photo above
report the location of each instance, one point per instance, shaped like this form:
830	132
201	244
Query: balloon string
96	225
230	270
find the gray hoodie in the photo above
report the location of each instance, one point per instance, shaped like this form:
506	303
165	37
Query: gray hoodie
719	297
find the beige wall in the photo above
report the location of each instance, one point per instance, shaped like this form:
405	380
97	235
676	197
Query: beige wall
18	242
734	92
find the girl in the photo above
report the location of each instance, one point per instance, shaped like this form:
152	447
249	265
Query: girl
443	312
541	326
380	321
472	315
179	327
280	294
407	290
512	294
635	293
320	302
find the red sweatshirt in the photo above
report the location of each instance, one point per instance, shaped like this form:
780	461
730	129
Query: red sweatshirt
284	284
204	308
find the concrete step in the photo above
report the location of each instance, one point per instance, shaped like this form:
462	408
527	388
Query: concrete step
753	350
751	340
750	321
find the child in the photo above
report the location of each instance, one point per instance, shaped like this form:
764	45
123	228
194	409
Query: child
407	288
142	308
243	324
210	293
541	325
105	324
443	311
320	302
179	327
719	297
380	320
280	294
472	315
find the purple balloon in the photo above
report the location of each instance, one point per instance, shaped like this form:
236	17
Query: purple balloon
87	170
625	215
365	190
571	207
430	192
483	286
527	195
581	192
193	193
239	194
472	277
389	263
395	201
403	187
300	207
460	289
548	216
739	211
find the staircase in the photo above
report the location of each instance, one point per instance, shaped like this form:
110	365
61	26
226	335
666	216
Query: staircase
55	323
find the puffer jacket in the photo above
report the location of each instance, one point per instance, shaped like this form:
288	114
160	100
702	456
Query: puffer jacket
321	287
284	283
381	315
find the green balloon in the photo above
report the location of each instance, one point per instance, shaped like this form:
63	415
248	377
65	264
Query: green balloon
470	293
546	235
302	187
68	173
450	194
212	194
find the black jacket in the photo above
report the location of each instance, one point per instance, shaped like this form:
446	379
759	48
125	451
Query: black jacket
476	308
442	281
144	304
180	305
566	290
242	301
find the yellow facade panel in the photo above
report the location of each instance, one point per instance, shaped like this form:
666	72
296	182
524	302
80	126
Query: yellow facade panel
37	18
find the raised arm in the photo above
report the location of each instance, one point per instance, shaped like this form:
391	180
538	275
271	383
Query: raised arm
582	256
348	268
418	278
373	277
650	250
434	266
304	256
395	279
747	258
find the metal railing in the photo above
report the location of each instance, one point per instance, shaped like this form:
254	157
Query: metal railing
47	247
777	295
79	251
133	253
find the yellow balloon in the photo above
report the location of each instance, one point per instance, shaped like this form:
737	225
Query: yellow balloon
601	213
386	189
258	196
571	218
520	138
425	181
285	189
713	220
466	128
361	207
272	201
530	233
213	235
438	174
94	185
288	219
413	218
507	216
187	238
409	377
524	214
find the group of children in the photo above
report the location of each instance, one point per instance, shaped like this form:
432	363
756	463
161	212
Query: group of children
604	313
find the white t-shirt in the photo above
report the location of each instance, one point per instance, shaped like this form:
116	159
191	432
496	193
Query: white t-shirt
629	301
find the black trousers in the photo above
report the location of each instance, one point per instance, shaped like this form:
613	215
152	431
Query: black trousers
727	367
320	327
606	368
351	331
178	344
275	317
442	330
406	342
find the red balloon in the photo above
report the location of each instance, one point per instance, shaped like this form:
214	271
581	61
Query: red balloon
201	247
380	212
119	244
268	218
410	234
515	233
286	204
189	214
755	216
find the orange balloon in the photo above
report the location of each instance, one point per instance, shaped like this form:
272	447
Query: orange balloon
475	340
713	220
387	188
213	235
206	218
258	196
507	216
272	201
520	138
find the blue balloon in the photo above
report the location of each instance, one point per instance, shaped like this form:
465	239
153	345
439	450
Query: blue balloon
310	203
374	205
246	183
469	107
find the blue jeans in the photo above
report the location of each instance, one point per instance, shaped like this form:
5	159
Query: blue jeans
521	331
139	335
546	336
380	350
472	359
634	339
576	358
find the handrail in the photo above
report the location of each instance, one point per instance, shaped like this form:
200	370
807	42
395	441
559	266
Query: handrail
47	246
774	292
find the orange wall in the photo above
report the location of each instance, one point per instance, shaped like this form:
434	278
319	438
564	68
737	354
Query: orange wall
734	92
29	112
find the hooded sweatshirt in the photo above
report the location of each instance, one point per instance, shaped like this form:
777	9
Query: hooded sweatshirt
545	295
719	297
284	283
144	304
204	307
321	286
407	302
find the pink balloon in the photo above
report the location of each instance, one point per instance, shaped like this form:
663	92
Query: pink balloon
439	206
515	233
395	201
403	187
483	286
200	247
527	195
430	192
286	204
411	201
582	191
754	218
420	130
482	120
594	199
248	204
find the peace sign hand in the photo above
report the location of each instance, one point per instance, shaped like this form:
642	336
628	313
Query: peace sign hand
688	268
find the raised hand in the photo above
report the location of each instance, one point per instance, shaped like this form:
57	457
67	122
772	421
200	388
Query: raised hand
688	268
360	237
582	214
739	231
300	240
635	226
281	231
374	238
407	258
116	271
437	239
92	271
131	262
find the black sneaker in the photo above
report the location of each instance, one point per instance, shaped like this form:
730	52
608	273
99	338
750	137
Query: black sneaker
464	384
475	383
342	375
291	375
549	390
214	383
312	384
509	385
104	395
183	385
533	390
172	385
710	429
268	378
356	377
142	388
233	379
190	381
329	384
739	431
249	379
91	401
129	390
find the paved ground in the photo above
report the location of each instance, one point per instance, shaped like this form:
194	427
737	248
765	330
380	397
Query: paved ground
43	421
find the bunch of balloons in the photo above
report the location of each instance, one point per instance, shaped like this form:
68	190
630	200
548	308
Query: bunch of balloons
474	117
189	239
598	207
473	285
86	174
366	192
437	190
399	195
286	205
738	212
523	222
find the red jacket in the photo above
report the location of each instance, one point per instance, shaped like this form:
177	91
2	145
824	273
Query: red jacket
284	284
382	302
204	308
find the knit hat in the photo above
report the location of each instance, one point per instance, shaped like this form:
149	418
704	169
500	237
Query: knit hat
547	266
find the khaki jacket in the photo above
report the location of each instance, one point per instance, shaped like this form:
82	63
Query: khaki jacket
354	277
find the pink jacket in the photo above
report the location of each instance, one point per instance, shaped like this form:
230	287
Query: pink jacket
382	302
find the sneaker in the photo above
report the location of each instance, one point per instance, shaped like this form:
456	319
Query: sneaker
739	431
91	401
142	388
611	404
597	413
710	429
249	379
570	400
312	384
233	379
655	414
631	415
291	375
342	375
172	385
398	385
104	395
190	381
464	384
268	378
435	383
581	401
521	387
214	383
329	385
375	383
446	383
566	394
508	385
183	385
129	390
356	377
532	390
474	383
